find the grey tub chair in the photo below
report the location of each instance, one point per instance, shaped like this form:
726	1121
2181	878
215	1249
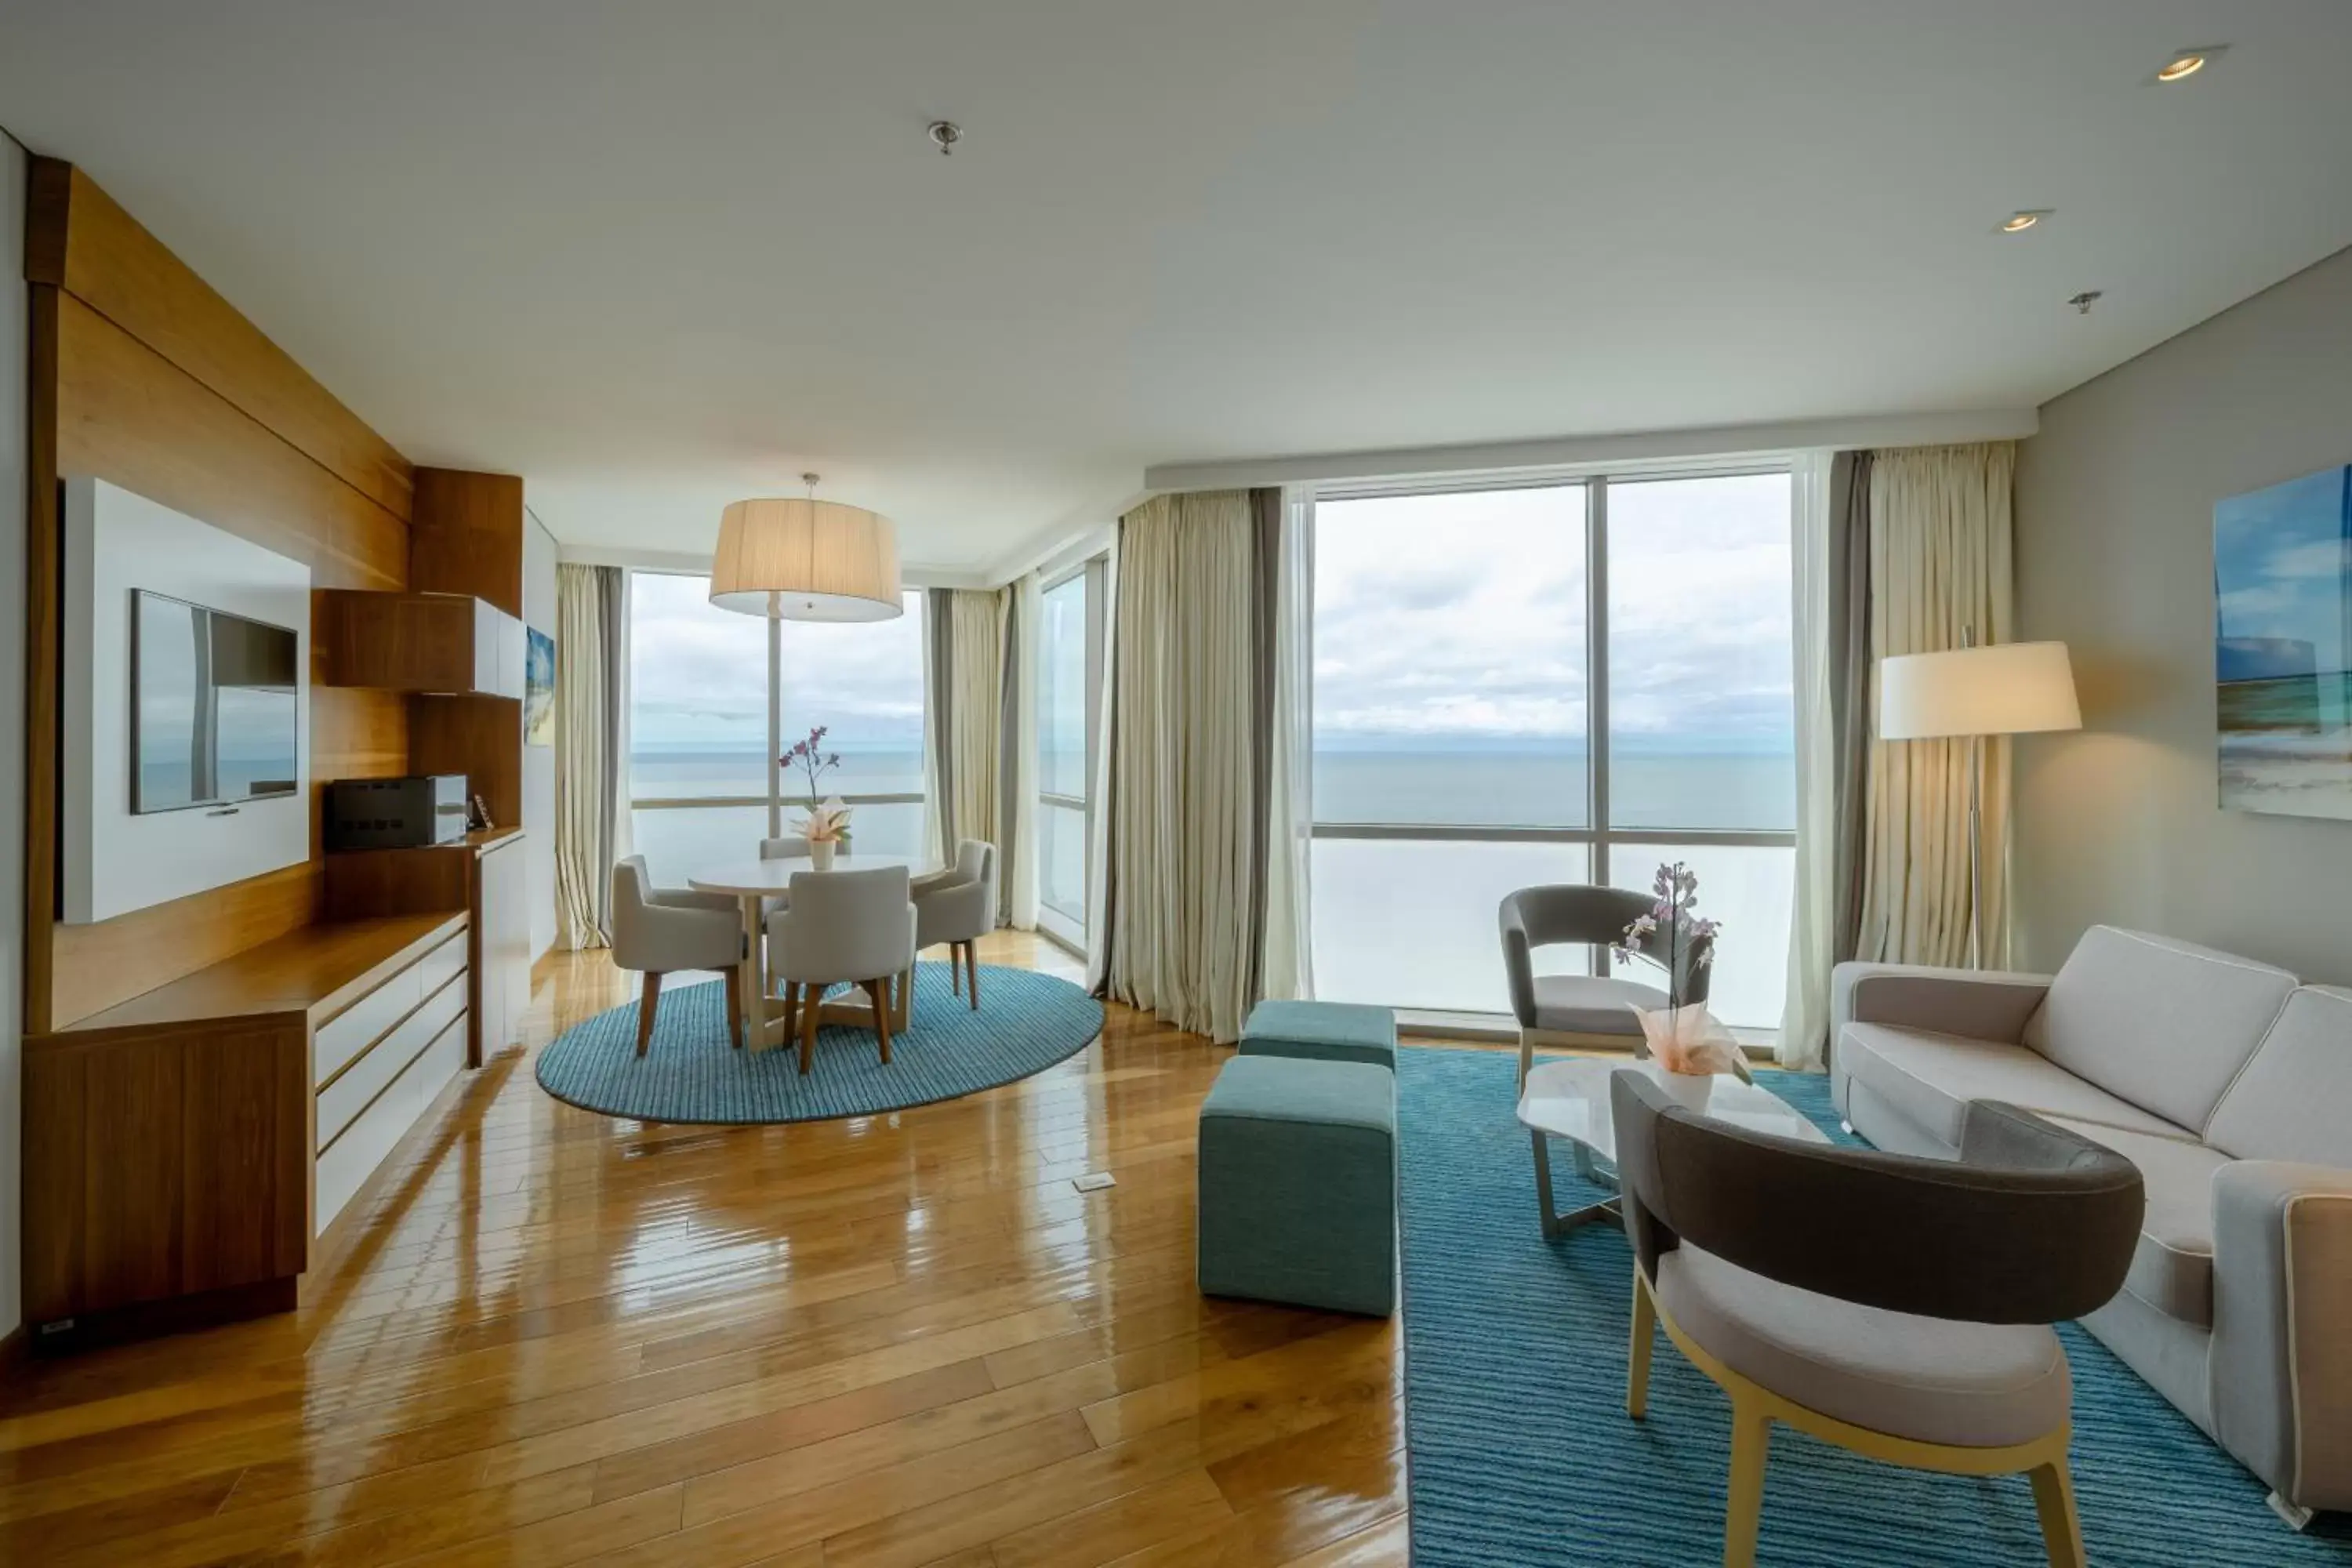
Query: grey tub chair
1580	1010
1896	1306
958	907
835	926
661	930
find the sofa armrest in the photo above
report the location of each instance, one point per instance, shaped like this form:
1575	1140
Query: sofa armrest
1981	1003
2281	1368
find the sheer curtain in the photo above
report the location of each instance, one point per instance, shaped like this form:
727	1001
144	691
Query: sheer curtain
1289	807
1017	867
592	747
1102	788
965	701
1940	568
1183	894
1805	1015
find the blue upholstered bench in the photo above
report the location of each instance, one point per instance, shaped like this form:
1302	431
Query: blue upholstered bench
1298	1183
1321	1031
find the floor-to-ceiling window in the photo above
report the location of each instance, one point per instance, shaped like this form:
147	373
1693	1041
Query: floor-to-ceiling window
698	724
1069	686
1561	682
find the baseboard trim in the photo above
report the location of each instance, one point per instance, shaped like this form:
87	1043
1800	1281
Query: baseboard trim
175	1314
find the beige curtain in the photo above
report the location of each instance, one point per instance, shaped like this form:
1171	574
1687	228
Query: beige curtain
589	743
967	690
1939	570
1184	939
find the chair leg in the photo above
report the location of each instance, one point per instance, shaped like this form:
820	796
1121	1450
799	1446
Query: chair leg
879	992
972	974
647	1003
812	1004
1637	1358
1752	1436
792	1009
2053	1500
955	968
1526	1059
735	1006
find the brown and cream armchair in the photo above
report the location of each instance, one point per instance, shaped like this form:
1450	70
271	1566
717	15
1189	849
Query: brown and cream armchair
1897	1306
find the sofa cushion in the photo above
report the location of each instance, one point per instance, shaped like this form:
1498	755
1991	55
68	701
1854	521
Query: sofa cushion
2164	1024
2294	1101
1973	1384
1931	1077
2172	1267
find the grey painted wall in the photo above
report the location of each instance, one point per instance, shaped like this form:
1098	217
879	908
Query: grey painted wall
16	374
2115	556
538	761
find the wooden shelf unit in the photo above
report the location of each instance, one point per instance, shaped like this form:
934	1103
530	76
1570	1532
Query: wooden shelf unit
450	645
482	874
172	1150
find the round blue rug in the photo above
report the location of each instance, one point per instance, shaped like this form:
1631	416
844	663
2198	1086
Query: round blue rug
1026	1023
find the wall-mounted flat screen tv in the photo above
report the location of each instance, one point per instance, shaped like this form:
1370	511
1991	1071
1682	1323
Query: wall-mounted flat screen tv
214	707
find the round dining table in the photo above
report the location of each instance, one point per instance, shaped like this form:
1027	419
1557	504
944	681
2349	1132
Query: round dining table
755	882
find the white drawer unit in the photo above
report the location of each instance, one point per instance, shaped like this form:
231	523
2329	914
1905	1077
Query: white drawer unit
356	1028
357	1085
348	1163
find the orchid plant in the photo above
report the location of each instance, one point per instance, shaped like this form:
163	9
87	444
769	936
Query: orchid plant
828	819
1670	930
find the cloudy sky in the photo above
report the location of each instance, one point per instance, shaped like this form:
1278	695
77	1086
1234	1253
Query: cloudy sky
1437	617
1464	616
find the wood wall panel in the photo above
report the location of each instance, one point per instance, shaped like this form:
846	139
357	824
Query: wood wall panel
468	536
80	241
144	377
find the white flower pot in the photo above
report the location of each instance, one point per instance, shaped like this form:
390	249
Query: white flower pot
821	854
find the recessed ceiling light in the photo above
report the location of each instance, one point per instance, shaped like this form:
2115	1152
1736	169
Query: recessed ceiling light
2018	222
2186	63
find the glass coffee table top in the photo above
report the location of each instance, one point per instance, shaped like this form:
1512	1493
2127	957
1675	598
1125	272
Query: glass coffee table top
1569	1100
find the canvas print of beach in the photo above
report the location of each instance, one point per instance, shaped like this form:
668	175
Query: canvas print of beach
2283	646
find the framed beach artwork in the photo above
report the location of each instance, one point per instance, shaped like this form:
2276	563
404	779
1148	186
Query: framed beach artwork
2283	646
539	689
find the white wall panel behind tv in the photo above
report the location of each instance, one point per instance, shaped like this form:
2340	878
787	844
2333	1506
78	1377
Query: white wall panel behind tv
114	860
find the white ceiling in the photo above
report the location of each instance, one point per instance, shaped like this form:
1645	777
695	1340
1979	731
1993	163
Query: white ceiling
657	257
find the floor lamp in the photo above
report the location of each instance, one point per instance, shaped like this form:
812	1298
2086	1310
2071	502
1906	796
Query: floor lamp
1971	692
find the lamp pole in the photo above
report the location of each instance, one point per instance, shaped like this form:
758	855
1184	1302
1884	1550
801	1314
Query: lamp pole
1975	833
776	718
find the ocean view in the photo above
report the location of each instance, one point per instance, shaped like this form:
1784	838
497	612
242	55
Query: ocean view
1403	924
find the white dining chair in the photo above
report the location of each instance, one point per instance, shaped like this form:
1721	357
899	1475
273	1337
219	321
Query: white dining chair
665	930
958	905
790	847
856	927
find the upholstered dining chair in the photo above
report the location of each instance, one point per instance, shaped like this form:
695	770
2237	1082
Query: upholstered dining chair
662	930
1572	1011
836	926
1894	1305
958	905
792	846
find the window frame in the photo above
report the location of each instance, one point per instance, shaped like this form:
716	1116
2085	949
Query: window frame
1600	835
1053	923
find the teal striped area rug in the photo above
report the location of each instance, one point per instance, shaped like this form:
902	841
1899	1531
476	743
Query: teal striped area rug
1522	1455
1025	1022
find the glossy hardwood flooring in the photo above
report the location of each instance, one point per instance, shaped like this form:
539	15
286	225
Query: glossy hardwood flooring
879	1343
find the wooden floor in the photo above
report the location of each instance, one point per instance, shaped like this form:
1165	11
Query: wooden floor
878	1343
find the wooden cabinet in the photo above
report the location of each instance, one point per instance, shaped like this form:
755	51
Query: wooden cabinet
486	876
502	915
443	644
181	1150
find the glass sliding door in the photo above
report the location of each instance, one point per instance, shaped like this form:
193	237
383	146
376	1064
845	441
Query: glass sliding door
698	724
1567	682
1069	687
1450	732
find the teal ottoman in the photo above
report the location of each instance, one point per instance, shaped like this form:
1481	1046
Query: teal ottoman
1297	1184
1322	1031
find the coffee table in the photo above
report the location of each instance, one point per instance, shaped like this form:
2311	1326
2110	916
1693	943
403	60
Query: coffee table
1569	1100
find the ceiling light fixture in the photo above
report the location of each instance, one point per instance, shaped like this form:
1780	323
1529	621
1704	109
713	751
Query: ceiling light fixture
2186	63
2086	299
945	134
2018	222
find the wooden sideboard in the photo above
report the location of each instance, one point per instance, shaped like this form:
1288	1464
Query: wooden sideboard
182	1150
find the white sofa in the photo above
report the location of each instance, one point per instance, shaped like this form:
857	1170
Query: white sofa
2229	1084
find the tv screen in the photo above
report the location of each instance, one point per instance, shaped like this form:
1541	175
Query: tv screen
212	707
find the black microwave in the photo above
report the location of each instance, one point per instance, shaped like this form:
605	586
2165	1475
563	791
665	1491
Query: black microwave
410	813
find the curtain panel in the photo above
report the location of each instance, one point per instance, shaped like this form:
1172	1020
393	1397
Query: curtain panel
1193	787
591	746
972	697
1940	570
1805	1014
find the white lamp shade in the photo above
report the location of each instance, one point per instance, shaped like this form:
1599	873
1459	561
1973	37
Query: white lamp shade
802	560
2002	689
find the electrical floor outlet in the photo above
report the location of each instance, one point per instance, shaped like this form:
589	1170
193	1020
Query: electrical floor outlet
1093	1180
